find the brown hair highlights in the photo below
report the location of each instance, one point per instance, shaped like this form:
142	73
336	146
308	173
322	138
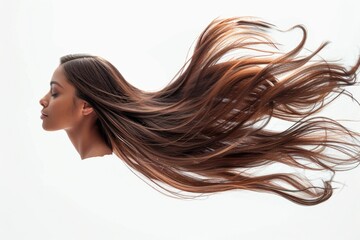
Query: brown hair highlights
206	131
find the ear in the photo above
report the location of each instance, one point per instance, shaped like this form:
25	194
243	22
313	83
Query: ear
87	109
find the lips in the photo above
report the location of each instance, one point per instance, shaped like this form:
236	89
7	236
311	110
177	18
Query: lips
43	115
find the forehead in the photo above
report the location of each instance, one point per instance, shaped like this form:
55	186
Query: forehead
60	78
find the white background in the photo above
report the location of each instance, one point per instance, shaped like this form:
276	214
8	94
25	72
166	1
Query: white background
46	192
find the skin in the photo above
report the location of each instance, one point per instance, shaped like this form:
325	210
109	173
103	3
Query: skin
62	109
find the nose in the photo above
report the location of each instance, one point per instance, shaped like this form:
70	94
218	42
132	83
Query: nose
43	102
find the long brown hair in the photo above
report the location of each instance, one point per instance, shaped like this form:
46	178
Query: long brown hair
206	130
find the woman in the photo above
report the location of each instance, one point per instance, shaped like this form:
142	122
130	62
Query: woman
206	131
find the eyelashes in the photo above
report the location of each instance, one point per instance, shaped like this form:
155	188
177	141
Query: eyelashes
53	93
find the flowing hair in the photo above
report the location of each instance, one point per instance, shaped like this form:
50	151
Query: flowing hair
208	130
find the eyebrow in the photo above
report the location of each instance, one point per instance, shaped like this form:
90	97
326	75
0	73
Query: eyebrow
53	82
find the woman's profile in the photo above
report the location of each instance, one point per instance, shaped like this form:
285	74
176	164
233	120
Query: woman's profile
207	129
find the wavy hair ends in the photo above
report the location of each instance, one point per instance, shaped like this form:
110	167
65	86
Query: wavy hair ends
207	130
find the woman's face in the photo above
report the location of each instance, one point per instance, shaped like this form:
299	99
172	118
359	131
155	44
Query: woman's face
62	109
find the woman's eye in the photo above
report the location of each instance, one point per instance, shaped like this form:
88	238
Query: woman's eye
54	94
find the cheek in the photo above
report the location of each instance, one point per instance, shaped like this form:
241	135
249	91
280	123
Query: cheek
62	108
61	115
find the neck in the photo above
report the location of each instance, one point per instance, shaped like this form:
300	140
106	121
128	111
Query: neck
88	142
